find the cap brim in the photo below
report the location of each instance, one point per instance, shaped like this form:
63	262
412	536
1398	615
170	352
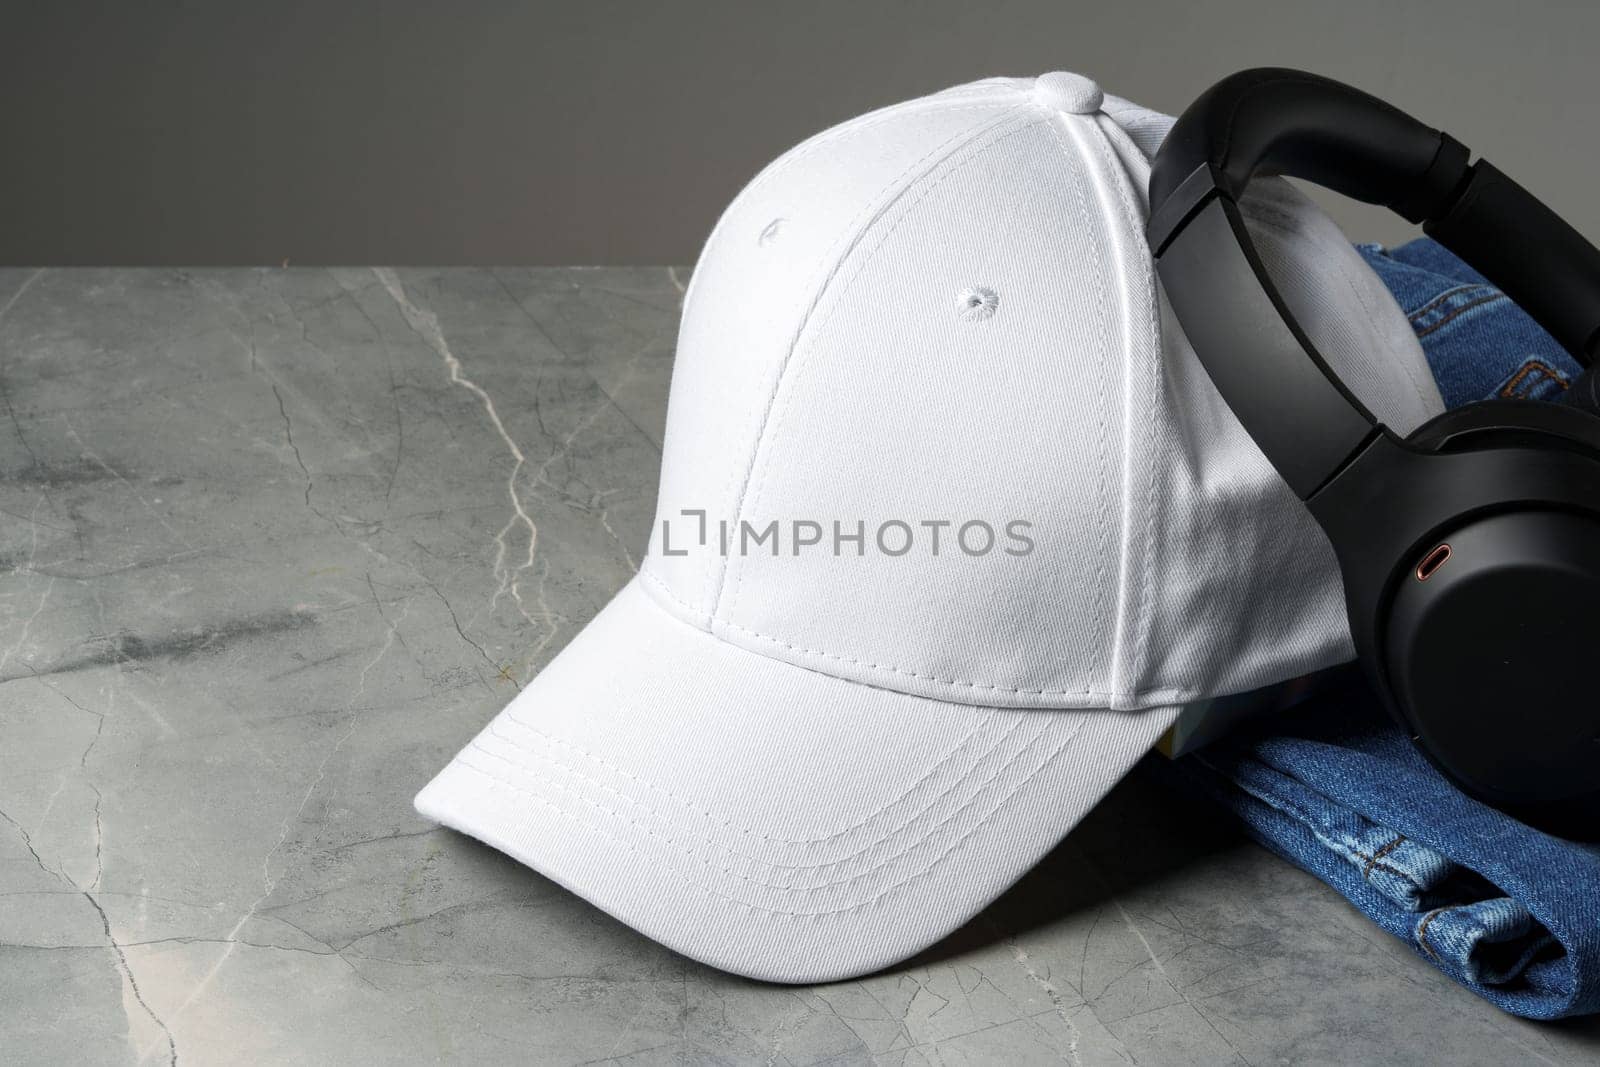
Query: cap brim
767	819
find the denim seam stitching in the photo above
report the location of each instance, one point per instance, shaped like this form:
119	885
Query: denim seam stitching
1460	309
1508	391
1422	932
1294	811
1373	860
1440	298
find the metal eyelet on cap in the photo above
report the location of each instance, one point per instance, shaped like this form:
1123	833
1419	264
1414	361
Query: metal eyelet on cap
977	303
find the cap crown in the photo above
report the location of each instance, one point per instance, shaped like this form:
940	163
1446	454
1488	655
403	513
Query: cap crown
945	312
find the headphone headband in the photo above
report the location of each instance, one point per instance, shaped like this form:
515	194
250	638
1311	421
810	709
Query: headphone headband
1469	551
1289	122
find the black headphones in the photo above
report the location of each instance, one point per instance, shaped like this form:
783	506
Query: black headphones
1470	549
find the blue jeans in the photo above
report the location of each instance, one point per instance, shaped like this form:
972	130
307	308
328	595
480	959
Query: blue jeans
1479	344
1337	789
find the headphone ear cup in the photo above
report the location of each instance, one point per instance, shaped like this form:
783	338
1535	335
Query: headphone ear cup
1487	648
1487	634
1509	424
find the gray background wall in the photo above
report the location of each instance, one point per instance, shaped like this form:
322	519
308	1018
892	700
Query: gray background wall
599	131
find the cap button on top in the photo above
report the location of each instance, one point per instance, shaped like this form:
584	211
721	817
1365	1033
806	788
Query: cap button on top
1064	91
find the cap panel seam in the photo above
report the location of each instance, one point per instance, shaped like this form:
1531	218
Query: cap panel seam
752	490
829	262
922	106
720	618
919	107
1141	698
689	615
1132	701
1135	699
1154	696
712	575
1076	154
1123	695
1126	676
1120	112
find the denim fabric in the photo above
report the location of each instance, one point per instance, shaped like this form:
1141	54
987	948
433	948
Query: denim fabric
1479	344
1337	789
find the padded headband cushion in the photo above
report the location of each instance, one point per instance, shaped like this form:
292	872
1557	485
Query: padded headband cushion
1340	302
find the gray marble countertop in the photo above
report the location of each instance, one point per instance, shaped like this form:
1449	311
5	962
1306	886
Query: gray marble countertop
268	558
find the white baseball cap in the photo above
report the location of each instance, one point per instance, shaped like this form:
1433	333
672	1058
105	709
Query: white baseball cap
810	757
